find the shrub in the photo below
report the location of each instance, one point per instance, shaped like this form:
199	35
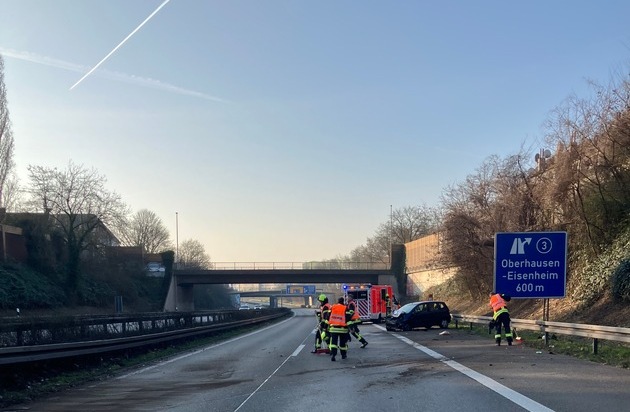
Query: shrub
24	288
620	280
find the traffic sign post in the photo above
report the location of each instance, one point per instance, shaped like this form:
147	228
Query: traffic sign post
531	264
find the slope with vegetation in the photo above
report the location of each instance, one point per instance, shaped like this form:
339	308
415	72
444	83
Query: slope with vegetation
580	183
582	188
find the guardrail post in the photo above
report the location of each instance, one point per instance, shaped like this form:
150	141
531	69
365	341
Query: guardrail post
595	345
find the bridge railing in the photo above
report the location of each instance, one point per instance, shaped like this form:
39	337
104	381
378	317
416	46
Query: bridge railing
298	265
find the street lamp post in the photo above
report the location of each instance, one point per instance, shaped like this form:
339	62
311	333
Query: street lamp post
391	227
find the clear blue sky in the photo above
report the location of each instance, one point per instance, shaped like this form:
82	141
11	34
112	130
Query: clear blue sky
284	130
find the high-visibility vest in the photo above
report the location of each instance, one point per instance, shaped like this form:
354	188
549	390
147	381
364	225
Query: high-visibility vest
338	315
324	312
497	302
325	308
498	305
352	307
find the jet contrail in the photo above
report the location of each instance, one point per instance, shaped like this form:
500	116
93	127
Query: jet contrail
120	44
117	76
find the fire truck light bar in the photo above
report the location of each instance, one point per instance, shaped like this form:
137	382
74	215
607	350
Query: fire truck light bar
356	287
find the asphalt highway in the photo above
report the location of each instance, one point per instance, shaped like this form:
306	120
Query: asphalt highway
272	370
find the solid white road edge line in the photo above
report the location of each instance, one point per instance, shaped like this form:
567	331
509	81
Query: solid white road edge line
519	399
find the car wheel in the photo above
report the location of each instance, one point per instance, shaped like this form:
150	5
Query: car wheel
389	328
444	324
405	327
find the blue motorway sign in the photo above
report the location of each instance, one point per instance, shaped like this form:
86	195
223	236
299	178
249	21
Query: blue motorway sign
295	290
531	264
309	290
299	290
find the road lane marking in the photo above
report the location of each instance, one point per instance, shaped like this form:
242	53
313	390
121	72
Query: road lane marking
295	353
262	384
166	362
298	350
518	398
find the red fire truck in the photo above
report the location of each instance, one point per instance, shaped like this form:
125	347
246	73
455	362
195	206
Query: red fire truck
371	300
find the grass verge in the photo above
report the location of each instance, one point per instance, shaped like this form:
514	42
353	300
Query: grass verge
608	353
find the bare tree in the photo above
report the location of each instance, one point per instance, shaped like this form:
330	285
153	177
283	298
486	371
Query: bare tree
78	206
592	182
472	216
192	255
411	223
145	229
11	195
373	251
6	138
405	225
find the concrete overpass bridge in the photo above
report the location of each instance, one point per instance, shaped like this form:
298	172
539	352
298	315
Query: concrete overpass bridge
180	294
278	295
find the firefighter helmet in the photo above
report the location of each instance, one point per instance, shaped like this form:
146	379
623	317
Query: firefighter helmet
321	297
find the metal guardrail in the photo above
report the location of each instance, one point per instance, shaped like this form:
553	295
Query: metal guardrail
594	332
41	339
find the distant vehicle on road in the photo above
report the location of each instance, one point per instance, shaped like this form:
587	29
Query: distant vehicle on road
243	307
424	314
258	307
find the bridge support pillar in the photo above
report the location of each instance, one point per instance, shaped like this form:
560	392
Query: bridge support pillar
179	298
185	299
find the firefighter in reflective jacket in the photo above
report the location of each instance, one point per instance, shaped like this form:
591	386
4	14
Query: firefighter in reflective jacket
338	328
501	316
388	306
321	334
355	320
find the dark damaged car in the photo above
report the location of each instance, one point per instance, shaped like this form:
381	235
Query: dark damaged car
425	314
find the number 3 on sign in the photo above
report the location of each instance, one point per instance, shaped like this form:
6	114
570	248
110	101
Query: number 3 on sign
543	245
